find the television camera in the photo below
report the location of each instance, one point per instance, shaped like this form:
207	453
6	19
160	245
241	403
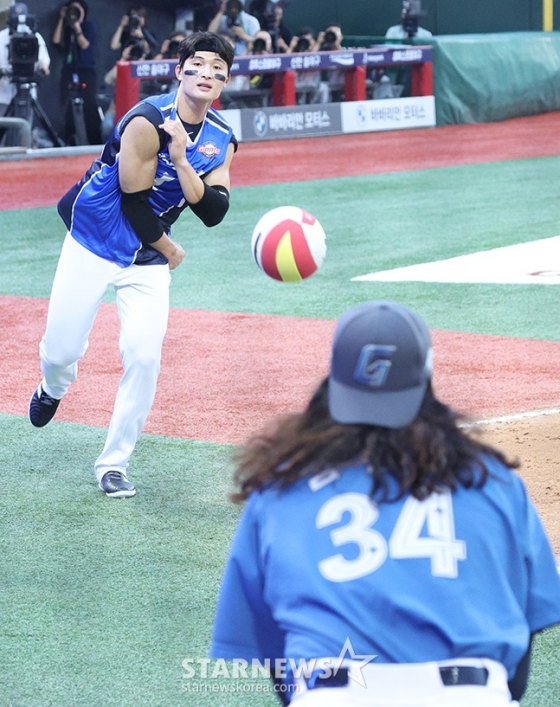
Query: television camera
23	50
23	54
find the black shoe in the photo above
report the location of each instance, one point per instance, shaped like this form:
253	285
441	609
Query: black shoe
116	485
42	408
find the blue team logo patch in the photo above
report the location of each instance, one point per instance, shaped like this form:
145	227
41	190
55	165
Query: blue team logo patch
209	149
374	364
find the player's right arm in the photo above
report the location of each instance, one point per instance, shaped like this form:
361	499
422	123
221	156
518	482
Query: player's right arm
137	169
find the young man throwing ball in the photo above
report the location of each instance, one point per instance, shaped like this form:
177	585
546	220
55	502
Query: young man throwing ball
167	153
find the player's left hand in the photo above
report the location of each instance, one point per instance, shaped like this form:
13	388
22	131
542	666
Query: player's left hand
178	143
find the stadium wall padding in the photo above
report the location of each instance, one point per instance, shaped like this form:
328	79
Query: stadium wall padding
481	78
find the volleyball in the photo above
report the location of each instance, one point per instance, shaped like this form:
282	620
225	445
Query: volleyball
289	244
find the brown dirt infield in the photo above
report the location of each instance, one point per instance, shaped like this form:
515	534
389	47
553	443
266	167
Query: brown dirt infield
205	396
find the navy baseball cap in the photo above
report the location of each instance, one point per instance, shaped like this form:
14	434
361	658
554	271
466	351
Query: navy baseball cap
381	365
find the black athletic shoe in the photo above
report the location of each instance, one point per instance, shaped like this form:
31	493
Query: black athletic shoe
42	408
116	485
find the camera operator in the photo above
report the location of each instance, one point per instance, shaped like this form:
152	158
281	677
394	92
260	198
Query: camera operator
261	44
19	25
232	17
76	36
270	14
135	25
408	26
132	51
170	47
330	40
309	86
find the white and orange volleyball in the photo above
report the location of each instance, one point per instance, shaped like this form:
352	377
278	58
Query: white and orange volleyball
289	244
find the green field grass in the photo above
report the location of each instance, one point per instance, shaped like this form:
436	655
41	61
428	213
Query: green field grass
101	601
372	223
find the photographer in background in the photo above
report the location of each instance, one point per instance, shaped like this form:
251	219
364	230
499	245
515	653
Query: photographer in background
18	24
330	40
76	36
170	47
270	14
304	41
231	17
134	25
309	86
409	27
261	45
133	51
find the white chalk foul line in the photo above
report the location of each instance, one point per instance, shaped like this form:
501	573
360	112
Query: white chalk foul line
518	416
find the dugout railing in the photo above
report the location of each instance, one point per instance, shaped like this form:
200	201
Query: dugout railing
356	64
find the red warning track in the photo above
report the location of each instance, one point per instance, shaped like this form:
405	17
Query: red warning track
277	362
269	162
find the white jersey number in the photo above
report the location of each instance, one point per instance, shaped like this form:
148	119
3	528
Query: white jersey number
440	544
371	544
435	513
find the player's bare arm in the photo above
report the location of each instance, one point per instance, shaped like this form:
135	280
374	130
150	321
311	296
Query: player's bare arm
220	175
137	169
208	198
191	183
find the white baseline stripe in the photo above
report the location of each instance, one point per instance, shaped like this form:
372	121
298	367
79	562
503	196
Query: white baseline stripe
515	417
533	263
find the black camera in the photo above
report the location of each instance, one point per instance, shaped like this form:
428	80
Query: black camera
411	14
73	14
329	41
134	21
137	50
173	49
259	46
233	9
23	50
302	45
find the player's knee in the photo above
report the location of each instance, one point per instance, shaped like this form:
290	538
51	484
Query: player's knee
62	357
147	360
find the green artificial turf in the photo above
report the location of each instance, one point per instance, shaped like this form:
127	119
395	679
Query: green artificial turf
372	223
101	600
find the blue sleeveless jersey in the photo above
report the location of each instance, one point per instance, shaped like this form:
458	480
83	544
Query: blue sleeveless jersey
91	209
463	574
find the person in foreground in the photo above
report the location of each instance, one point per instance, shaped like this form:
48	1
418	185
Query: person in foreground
384	555
167	153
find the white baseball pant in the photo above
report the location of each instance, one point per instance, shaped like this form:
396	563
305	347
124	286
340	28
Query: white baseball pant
142	295
410	685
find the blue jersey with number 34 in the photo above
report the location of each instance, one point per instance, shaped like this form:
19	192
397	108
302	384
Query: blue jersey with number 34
463	574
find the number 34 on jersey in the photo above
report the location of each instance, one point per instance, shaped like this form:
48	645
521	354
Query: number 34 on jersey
438	543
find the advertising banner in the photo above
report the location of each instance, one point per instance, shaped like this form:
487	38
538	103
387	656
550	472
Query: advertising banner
388	114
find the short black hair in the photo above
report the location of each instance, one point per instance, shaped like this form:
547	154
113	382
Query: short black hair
206	42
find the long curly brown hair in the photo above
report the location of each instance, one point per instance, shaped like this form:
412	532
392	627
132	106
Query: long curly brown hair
435	451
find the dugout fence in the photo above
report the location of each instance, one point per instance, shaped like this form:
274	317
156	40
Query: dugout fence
356	64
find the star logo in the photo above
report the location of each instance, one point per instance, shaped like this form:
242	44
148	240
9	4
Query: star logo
355	668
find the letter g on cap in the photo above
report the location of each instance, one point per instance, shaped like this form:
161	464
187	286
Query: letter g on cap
373	366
